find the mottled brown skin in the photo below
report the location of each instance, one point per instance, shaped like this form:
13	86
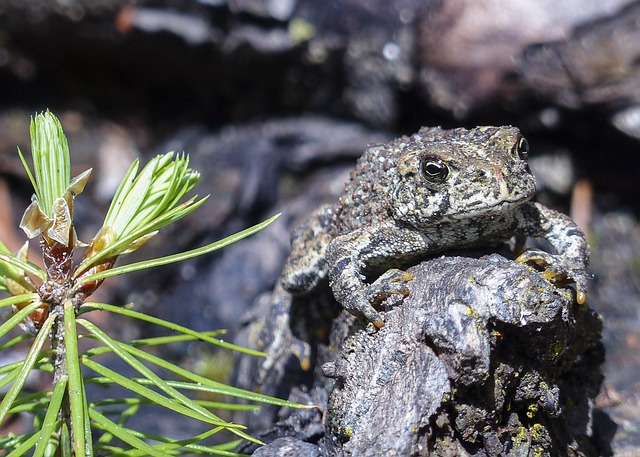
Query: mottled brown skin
416	196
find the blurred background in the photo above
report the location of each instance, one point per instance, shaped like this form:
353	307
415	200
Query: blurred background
275	99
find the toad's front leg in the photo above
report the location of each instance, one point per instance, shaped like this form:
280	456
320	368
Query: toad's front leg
571	258
370	249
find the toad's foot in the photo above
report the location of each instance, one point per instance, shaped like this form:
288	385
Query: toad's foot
558	269
277	340
392	282
281	345
280	350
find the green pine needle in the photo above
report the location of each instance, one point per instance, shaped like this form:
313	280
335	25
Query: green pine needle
48	302
51	162
142	205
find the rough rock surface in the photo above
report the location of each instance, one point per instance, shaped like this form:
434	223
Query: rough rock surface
483	358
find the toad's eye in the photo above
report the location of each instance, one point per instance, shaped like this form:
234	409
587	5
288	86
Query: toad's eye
435	171
521	150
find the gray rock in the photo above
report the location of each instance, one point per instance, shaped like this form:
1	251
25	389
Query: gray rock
484	357
288	447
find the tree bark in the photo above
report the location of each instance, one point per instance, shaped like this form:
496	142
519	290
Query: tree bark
484	357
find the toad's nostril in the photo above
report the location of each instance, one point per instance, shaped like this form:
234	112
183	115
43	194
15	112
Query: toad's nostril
480	175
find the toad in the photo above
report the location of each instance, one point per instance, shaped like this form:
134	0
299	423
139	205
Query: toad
417	196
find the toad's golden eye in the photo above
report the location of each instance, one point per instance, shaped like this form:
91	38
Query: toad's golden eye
521	149
434	170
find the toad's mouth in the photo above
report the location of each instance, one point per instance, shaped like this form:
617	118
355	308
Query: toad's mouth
497	208
501	198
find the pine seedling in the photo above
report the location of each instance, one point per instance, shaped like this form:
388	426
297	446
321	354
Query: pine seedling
50	304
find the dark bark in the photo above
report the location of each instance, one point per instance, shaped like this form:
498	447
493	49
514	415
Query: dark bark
484	357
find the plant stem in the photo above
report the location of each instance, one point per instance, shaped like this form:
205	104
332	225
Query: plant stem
59	350
58	261
60	369
76	385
